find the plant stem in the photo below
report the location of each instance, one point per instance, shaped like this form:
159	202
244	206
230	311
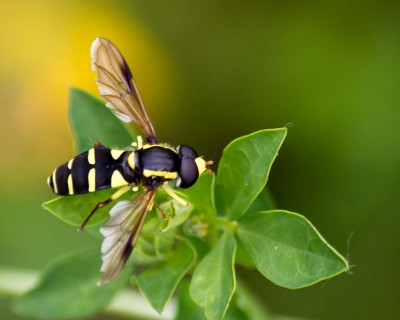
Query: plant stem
224	224
127	302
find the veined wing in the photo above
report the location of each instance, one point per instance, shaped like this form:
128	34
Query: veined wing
117	86
121	233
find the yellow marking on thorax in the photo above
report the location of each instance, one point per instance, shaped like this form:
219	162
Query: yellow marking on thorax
48	181
92	180
116	153
90	157
166	146
70	185
167	175
117	179
54	181
131	160
70	163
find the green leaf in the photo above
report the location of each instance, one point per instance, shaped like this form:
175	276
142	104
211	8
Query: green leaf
235	312
201	247
242	257
68	289
159	283
74	209
91	120
288	250
188	309
176	212
250	303
200	194
163	244
213	282
243	171
263	202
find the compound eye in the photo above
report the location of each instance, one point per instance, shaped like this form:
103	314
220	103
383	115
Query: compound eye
188	173
186	151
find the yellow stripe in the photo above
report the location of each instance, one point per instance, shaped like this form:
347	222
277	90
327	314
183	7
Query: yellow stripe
91	158
70	185
131	160
116	153
70	163
165	146
54	181
48	181
171	175
167	175
92	180
117	179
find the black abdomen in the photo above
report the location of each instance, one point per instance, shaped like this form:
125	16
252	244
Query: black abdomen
96	169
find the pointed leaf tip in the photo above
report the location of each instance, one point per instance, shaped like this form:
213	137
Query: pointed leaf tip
288	250
243	170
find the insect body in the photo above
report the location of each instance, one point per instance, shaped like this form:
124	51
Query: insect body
150	164
102	168
96	169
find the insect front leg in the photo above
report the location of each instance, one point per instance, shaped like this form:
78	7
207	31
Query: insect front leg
173	195
115	196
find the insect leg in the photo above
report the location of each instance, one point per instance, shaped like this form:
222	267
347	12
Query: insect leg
116	195
165	216
173	195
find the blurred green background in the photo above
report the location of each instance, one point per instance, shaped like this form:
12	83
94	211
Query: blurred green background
209	72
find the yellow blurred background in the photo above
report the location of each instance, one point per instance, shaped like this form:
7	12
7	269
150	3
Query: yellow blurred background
208	73
47	50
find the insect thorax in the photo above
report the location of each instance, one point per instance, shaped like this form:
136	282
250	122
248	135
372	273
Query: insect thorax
157	160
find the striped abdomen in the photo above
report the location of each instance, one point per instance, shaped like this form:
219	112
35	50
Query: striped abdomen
97	169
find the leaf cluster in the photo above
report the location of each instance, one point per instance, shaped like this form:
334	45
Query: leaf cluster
231	221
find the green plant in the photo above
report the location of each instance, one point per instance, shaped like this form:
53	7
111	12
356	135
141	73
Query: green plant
231	221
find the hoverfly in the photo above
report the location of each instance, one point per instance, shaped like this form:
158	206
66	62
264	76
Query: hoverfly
150	164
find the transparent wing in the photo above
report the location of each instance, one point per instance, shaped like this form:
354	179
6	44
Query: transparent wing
117	86
121	233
